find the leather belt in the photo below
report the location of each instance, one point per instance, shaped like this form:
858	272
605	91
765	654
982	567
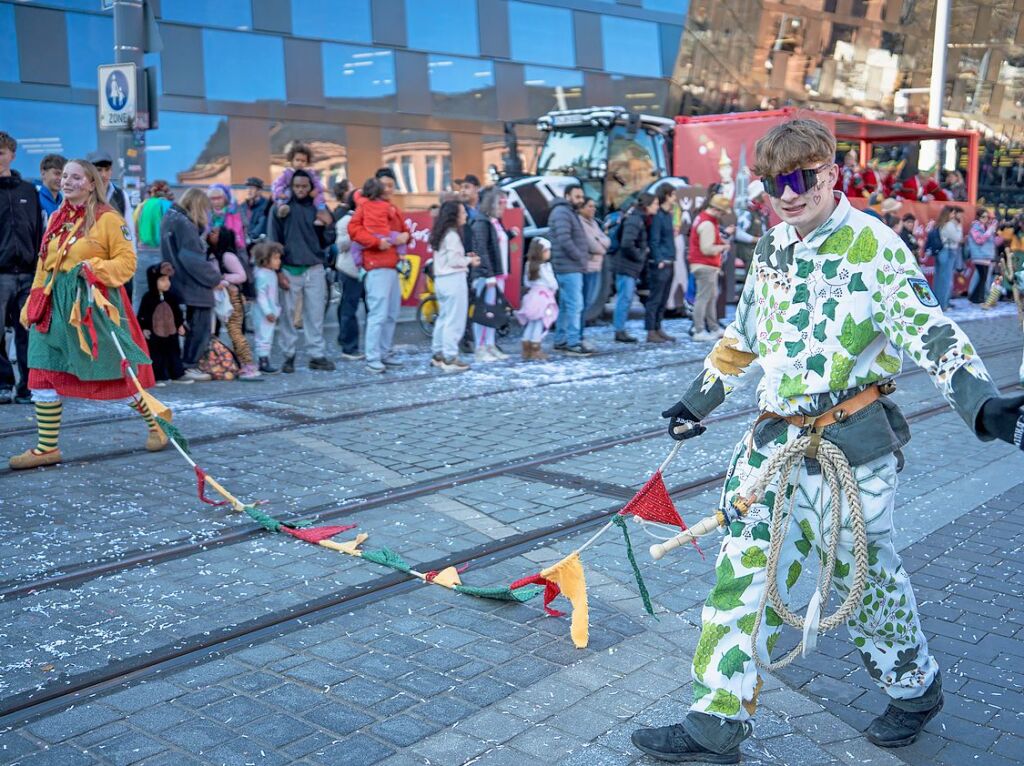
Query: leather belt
837	414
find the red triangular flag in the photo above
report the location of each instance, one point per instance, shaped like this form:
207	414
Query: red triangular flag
652	503
316	534
551	591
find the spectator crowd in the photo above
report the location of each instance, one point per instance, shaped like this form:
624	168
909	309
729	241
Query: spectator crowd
263	268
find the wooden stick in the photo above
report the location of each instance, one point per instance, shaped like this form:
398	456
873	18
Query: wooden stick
702	527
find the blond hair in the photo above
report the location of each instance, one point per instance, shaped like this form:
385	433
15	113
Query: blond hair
793	145
196	205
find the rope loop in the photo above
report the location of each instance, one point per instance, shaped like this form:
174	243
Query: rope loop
842	483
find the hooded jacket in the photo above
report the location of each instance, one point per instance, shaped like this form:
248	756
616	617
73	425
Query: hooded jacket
21	225
195	272
631	256
153	300
303	241
569	248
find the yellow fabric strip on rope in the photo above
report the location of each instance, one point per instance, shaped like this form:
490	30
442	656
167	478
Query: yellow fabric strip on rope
567	574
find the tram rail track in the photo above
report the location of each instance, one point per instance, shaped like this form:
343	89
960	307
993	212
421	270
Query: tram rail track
530	468
17	709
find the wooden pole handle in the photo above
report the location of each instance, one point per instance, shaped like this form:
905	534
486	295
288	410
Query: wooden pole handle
702	527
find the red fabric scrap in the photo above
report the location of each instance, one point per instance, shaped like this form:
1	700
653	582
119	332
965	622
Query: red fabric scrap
551	591
316	534
652	503
201	486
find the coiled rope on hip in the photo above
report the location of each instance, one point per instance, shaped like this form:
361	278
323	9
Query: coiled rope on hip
839	476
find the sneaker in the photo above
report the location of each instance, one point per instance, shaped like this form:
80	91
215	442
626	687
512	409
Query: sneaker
719	333
356	357
392	361
194	374
23	398
588	347
160	383
578	350
183	380
454	364
265	366
482	356
496	352
249	372
322	363
289	364
437	360
376	367
6	395
561	345
704	336
672	743
621	336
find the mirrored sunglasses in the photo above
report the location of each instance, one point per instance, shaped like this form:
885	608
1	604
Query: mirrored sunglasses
800	181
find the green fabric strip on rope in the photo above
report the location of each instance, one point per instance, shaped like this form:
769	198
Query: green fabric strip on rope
502	593
173	434
387	557
640	584
266	521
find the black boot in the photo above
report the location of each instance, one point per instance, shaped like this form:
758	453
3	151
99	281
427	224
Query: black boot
897	727
672	743
265	367
289	364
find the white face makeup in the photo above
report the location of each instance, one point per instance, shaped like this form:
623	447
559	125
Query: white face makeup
75	185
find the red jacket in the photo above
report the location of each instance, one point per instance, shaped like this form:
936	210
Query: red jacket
694	255
372	222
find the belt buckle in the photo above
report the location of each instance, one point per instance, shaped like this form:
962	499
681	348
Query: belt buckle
809	427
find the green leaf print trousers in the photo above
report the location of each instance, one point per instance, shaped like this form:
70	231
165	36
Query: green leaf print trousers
885	628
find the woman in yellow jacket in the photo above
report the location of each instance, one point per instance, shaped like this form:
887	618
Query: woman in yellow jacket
77	303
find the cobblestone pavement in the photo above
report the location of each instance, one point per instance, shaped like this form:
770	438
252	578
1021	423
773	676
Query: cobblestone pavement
421	676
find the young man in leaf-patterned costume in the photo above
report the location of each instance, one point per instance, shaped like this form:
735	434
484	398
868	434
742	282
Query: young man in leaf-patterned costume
832	301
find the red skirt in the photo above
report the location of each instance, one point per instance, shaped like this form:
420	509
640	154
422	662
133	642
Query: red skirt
68	385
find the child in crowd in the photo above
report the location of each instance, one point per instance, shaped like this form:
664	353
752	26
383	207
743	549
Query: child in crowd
163	324
224	246
540	308
378	220
300	157
267	256
451	268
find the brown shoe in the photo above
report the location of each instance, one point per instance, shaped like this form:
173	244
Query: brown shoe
31	459
538	352
666	336
156	440
654	337
527	351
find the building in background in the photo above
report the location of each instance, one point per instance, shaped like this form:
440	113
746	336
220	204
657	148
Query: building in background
422	86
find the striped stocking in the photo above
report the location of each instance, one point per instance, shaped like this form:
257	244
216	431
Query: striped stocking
48	425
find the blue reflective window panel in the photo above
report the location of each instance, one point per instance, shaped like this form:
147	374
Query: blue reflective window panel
548	88
90	43
233	14
631	46
187	148
9	70
228	80
362	75
443	25
44	127
668	6
328	19
541	35
153	60
462	87
71	5
671	40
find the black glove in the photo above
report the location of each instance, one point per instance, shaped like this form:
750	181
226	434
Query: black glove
1003	418
683	424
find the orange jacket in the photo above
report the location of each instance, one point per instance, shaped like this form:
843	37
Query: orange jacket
372	222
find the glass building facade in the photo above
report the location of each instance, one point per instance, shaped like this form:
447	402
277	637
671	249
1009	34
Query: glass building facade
421	86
